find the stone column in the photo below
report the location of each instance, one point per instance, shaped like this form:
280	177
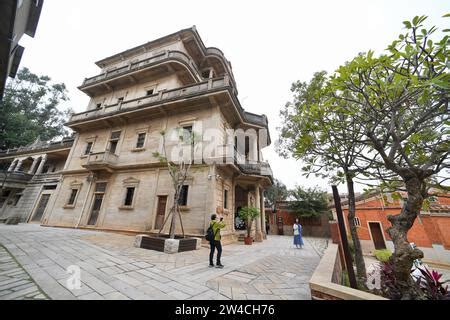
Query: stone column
258	233
263	216
18	166
13	165
41	165
33	166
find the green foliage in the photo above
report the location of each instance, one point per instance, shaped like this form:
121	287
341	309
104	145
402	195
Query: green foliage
382	255
249	214
276	192
309	202
31	109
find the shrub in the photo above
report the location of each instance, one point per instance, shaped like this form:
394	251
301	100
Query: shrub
431	285
382	255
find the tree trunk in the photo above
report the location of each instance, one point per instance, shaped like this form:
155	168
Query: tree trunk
404	255
172	222
359	259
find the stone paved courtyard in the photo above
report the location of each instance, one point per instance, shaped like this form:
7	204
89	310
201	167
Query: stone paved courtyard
111	268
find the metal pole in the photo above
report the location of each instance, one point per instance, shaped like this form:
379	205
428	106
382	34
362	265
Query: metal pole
344	242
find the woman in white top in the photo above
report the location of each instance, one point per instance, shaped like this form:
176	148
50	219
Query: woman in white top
298	241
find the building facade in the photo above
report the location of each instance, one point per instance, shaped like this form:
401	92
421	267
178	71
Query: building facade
112	178
430	231
30	177
282	219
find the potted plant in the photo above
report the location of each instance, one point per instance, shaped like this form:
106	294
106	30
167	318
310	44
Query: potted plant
249	214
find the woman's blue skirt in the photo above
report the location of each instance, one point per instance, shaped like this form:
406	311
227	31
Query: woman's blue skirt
298	241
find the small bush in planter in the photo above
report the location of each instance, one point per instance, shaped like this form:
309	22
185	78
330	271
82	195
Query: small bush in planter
249	214
382	255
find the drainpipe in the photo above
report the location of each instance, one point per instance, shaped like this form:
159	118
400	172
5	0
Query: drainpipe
91	178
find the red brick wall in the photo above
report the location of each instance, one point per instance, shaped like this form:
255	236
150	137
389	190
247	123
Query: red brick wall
316	228
425	231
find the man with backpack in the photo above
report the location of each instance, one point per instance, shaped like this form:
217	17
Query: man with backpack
213	236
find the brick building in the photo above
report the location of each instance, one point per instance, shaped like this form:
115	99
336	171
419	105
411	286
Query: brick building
430	232
282	219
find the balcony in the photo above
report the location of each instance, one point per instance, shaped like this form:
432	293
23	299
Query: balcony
119	76
212	85
47	177
260	168
152	103
228	154
101	161
44	146
14	179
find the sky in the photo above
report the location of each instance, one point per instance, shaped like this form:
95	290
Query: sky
270	44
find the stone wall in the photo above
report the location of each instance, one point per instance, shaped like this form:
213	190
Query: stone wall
324	283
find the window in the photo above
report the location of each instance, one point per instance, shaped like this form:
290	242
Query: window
187	134
113	141
50	187
100	187
16	199
205	74
72	197
129	196
357	222
225	199
46	168
112	146
182	200
150	92
88	148
247	148
140	140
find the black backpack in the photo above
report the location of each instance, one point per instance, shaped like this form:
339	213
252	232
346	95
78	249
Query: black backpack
210	235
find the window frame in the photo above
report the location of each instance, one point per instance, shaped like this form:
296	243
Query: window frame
124	204
73	203
16	198
185	196
86	152
130	182
115	140
225	198
143	142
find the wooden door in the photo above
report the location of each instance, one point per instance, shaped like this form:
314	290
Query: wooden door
40	208
160	211
377	235
98	199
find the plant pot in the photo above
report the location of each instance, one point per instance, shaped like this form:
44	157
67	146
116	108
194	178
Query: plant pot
248	240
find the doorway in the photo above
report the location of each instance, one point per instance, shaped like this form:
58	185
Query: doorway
40	208
377	235
160	211
97	203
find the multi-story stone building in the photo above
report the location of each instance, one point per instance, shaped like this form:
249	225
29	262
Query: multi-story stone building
30	178
112	179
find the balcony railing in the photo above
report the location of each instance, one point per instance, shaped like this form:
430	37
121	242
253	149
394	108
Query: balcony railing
228	154
47	177
14	177
159	97
259	168
104	160
177	55
102	157
45	146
